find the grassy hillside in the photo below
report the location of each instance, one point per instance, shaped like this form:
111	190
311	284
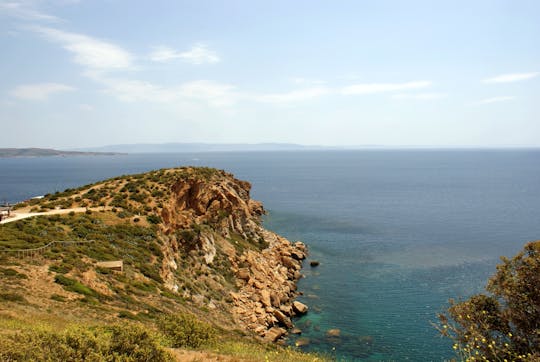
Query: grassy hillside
56	303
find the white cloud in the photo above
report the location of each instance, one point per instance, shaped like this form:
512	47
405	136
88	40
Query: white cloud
216	94
294	96
496	99
513	77
198	54
40	91
89	52
24	10
420	96
211	93
370	88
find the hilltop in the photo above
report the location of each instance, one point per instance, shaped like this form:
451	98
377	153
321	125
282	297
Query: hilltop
192	252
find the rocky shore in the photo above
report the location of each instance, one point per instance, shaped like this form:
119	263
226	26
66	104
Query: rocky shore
265	302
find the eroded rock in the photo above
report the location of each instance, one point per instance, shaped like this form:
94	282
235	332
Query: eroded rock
299	308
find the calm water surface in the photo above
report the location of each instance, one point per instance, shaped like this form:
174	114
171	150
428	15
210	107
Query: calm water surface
397	232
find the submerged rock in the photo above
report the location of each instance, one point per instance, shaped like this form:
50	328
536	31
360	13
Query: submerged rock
303	341
333	332
314	263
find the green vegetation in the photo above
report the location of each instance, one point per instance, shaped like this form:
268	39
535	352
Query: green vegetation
11	273
74	286
11	297
128	342
185	330
123	222
505	324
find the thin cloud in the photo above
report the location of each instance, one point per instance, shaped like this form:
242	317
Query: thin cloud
512	77
496	99
294	96
86	107
198	54
420	96
371	88
24	10
89	52
211	93
40	91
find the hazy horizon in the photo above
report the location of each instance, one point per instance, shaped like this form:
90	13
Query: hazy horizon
83	74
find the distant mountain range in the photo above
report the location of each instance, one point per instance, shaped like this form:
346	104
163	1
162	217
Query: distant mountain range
47	152
203	147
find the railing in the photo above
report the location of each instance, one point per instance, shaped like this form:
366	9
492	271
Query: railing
33	251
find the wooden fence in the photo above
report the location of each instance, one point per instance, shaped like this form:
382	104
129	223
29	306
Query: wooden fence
33	252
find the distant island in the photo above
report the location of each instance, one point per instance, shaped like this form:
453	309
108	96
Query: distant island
46	152
177	147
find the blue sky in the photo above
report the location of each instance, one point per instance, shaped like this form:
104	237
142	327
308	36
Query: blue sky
430	73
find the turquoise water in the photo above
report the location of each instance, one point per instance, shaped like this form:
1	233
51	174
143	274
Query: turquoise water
397	233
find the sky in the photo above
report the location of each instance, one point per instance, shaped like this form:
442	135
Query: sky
392	73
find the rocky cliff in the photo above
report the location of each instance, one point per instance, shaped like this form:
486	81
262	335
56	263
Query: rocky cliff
214	218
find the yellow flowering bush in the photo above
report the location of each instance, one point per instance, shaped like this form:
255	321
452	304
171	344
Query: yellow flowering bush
505	324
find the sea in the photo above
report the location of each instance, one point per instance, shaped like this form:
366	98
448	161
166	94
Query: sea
396	232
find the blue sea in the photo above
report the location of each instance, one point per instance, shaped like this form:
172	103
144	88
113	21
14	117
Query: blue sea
397	232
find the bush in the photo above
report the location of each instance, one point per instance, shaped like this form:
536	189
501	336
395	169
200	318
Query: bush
74	286
504	325
117	343
12	273
11	297
185	330
153	219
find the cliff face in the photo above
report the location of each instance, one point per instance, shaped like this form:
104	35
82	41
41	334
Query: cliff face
214	218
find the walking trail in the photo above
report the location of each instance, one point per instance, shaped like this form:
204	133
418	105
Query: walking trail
25	215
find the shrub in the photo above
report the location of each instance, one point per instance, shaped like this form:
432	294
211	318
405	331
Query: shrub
11	297
153	219
185	330
116	343
60	268
504	325
8	272
58	298
74	286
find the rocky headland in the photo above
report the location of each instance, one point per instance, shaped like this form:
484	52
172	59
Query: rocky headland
204	250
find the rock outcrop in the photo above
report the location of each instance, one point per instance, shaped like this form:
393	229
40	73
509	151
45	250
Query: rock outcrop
266	296
213	216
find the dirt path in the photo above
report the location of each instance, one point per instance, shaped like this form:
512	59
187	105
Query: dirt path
25	215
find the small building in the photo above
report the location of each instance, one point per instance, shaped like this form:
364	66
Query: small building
117	265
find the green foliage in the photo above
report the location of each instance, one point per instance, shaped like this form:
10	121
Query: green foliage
61	268
153	219
58	298
73	285
504	325
12	273
185	330
11	297
126	343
